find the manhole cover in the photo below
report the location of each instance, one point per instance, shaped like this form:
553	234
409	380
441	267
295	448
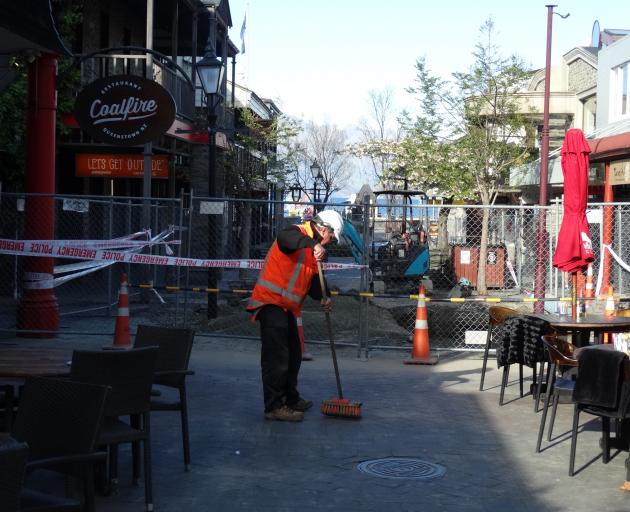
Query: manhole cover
402	468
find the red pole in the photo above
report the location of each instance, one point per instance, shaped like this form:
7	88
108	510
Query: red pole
38	308
607	232
540	274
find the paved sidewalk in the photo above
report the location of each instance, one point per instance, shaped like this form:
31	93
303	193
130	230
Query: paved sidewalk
436	414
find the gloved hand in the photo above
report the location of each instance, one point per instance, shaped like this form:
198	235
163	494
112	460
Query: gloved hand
319	252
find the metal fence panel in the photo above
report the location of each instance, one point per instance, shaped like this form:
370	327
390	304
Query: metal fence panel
372	309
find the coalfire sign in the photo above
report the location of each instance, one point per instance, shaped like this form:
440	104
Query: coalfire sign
125	110
119	166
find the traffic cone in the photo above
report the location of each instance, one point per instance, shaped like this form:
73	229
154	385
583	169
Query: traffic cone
122	336
300	328
588	287
421	353
609	310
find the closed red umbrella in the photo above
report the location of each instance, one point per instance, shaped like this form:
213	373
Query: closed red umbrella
574	250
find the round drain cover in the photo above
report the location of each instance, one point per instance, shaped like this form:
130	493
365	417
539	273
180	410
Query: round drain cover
402	468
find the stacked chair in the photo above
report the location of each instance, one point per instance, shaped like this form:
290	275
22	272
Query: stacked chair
496	316
521	344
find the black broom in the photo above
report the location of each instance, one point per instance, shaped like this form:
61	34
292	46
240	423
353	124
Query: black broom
337	406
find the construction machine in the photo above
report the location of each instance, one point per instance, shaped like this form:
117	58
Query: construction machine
396	247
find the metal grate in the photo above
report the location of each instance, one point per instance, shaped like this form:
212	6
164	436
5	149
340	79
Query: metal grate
402	468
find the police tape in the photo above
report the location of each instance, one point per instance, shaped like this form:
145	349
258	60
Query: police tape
61	249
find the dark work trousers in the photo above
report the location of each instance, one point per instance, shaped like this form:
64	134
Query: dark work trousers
280	356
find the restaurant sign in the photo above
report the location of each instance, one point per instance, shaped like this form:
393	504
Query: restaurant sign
125	110
119	166
620	172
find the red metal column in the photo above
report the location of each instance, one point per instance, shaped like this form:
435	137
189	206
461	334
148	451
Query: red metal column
38	308
607	232
540	274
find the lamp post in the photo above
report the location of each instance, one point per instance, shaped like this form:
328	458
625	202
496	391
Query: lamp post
318	187
541	239
318	179
210	71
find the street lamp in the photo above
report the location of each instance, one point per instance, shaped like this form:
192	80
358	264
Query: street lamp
541	243
318	179
318	186
210	71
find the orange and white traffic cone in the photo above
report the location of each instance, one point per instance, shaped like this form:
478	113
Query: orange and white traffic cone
589	290
588	287
122	336
609	310
300	328
421	353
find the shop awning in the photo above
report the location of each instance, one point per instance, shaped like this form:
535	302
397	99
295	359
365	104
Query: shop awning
610	148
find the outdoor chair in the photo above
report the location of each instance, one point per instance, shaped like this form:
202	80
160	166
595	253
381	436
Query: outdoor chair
174	348
12	468
602	389
59	420
497	315
129	373
7	404
520	344
561	357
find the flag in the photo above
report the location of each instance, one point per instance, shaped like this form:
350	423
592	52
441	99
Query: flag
243	26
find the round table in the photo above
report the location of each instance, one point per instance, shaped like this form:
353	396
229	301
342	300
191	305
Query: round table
586	324
21	362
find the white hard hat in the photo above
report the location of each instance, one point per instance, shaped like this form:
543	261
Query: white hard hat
330	219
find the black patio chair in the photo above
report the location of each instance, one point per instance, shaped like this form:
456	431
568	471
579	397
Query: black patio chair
175	346
12	469
129	373
561	355
7	404
496	316
602	389
59	420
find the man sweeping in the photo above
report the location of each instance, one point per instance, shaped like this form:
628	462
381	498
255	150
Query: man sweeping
287	277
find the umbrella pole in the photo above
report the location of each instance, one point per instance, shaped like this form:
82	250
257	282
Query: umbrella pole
574	293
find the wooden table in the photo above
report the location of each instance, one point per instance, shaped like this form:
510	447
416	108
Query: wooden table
586	324
20	362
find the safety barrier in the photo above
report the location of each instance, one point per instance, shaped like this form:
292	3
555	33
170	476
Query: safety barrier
163	246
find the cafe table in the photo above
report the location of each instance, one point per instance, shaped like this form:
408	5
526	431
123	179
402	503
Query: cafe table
18	362
597	324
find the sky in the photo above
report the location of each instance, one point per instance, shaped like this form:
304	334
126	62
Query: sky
319	60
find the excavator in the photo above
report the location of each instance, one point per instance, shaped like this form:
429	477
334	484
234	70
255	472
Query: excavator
397	246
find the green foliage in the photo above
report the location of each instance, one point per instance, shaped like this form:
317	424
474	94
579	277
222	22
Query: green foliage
12	131
467	133
263	150
68	14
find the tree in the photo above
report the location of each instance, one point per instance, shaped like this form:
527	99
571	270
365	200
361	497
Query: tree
325	144
467	133
381	125
262	153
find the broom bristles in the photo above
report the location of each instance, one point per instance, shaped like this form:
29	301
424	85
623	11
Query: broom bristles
341	407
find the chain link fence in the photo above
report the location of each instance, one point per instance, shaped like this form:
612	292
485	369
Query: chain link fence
374	307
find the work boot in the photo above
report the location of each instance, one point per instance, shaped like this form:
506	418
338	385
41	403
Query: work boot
301	405
284	413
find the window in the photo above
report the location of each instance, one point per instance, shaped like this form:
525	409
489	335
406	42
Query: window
619	106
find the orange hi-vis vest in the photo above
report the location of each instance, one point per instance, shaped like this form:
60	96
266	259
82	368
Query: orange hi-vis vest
285	278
